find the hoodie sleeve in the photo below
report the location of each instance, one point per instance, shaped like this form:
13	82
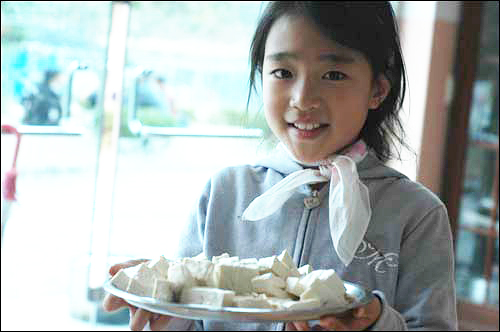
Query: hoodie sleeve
425	297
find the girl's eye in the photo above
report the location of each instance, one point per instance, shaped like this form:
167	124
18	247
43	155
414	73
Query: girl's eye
334	76
281	74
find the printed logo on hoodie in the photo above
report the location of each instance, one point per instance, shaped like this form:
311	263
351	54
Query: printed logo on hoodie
381	262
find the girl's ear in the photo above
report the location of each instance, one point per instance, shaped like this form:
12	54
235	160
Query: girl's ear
381	89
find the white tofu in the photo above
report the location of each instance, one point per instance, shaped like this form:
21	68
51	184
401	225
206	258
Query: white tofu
146	274
305	269
319	291
163	290
236	278
180	277
141	283
249	261
215	259
286	259
284	304
201	256
252	263
139	288
201	270
269	279
120	280
270	284
208	296
272	264
293	286
159	266
329	277
228	260
252	301
324	285
302	304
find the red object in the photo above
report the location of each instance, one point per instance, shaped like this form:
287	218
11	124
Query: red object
9	184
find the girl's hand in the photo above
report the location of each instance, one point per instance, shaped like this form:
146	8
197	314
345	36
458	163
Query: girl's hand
353	320
138	317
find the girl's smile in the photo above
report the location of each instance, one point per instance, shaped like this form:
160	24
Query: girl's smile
316	92
305	125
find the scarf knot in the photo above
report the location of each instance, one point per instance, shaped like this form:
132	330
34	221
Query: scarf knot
349	203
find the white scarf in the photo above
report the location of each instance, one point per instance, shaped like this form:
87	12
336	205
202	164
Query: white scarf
349	200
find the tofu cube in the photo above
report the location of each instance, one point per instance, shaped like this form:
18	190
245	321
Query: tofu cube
137	287
180	277
252	301
236	278
208	296
286	259
163	290
159	266
293	286
286	304
272	264
305	269
216	259
324	285
270	284
201	270
120	280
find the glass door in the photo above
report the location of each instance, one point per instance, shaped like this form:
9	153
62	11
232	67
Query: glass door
53	72
183	117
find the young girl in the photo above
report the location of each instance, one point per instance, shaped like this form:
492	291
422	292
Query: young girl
333	83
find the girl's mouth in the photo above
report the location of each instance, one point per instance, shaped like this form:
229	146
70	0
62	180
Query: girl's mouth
306	130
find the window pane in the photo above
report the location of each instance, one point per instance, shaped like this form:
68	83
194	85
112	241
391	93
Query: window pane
196	68
493	284
477	200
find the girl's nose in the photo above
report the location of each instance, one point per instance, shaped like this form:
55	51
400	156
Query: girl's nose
305	96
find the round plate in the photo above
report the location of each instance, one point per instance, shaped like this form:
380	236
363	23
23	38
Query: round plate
360	297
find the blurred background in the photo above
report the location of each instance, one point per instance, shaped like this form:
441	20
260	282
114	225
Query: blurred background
123	110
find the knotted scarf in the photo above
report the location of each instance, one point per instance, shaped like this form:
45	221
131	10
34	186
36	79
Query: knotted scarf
349	201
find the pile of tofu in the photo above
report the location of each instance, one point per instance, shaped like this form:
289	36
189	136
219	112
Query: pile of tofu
227	281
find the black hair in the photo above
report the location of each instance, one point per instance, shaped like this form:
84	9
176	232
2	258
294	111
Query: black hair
368	27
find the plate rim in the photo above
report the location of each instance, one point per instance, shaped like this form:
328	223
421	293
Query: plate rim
201	311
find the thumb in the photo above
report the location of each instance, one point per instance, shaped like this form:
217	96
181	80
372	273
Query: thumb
112	303
359	312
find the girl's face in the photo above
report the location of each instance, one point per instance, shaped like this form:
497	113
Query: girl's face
316	93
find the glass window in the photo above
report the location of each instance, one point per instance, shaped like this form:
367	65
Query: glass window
183	118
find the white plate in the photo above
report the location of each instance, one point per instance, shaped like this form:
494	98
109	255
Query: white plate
359	295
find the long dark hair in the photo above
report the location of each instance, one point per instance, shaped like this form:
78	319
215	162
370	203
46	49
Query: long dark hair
368	27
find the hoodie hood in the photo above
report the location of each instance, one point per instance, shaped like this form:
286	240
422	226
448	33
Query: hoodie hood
369	168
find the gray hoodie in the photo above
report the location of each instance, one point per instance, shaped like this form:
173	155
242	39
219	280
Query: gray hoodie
406	257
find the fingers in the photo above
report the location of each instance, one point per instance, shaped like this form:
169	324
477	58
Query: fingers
158	322
359	313
112	303
332	324
297	326
138	319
